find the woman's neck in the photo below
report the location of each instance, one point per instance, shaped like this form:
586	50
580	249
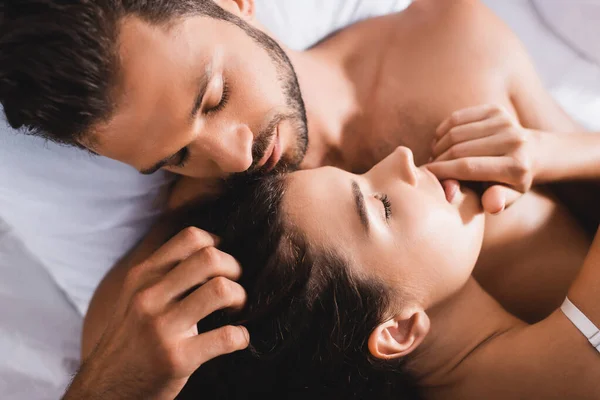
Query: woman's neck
460	327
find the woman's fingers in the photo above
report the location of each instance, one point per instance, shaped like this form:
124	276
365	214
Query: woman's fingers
498	198
490	146
469	115
467	132
485	144
479	169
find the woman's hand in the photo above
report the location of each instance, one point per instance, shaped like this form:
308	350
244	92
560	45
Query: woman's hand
487	144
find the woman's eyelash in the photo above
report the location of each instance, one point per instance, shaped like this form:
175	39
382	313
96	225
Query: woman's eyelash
224	99
387	204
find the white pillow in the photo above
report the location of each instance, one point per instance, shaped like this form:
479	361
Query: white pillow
79	214
76	213
577	22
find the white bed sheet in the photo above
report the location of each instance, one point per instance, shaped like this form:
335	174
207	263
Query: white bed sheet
40	327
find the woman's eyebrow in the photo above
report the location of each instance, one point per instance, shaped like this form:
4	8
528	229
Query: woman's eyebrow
359	200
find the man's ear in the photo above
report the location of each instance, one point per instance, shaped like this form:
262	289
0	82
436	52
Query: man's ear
399	336
242	8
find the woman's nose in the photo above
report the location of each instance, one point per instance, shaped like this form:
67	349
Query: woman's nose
407	166
399	164
231	148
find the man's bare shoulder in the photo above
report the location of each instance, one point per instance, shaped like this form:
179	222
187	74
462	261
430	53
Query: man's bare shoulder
468	27
465	29
470	14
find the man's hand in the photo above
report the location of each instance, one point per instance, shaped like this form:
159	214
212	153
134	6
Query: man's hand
151	345
487	144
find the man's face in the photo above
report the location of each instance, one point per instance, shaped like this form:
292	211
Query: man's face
202	98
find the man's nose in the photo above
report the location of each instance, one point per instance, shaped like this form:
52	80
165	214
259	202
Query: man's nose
231	148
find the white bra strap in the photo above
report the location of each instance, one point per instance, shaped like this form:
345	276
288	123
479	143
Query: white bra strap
581	322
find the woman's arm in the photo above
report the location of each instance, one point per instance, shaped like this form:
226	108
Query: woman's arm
572	171
563	157
585	290
538	110
487	143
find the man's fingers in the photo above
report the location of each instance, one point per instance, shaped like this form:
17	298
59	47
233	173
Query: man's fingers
206	346
197	269
181	246
491	146
217	294
467	132
465	116
480	169
178	248
498	198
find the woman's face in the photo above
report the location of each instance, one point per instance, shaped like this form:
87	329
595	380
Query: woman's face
395	223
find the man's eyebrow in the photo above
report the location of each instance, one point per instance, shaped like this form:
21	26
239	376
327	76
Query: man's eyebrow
359	200
202	84
161	163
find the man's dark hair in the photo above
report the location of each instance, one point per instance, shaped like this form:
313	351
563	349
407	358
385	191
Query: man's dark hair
59	63
309	316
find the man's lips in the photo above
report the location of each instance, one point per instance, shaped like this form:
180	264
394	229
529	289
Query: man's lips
272	154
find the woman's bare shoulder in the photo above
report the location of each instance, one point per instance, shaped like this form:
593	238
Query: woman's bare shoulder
549	360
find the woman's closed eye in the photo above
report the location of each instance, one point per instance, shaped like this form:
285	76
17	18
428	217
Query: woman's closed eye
387	204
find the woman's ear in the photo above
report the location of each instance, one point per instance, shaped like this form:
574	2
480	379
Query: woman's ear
242	8
399	336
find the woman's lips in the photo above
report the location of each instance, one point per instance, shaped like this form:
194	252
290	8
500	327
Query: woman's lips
451	189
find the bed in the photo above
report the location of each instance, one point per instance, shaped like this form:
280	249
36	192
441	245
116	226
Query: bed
66	217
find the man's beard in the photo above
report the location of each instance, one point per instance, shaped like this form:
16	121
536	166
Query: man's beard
296	114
